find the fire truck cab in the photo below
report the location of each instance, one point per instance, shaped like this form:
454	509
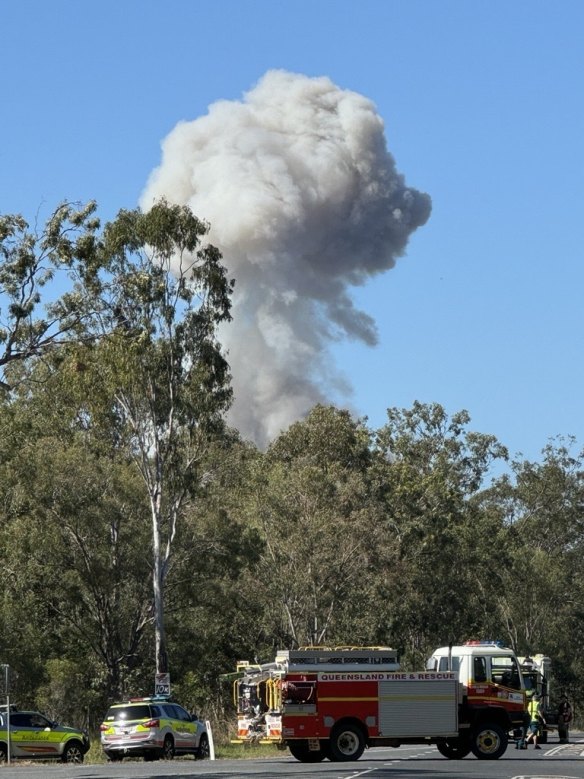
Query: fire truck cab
334	702
494	702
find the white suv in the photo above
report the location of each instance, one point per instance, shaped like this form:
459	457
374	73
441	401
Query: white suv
152	728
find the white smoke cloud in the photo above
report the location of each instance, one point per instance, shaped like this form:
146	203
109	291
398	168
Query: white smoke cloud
304	202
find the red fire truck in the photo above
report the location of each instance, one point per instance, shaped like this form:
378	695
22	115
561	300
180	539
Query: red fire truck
334	702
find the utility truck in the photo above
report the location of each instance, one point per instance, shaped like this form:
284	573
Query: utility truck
334	702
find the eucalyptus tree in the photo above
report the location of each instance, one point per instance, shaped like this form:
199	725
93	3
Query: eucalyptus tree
542	503
72	538
136	331
442	548
309	498
157	374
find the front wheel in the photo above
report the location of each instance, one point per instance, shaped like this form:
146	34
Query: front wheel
73	753
454	748
203	752
347	743
299	750
488	741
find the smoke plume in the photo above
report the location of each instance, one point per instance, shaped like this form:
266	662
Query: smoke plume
304	202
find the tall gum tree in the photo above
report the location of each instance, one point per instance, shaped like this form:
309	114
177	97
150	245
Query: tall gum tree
159	372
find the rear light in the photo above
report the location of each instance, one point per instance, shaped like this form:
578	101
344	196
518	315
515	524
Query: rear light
151	723
103	727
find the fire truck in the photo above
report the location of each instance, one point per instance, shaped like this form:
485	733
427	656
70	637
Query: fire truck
334	702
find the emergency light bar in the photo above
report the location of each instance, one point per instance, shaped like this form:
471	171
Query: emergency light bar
149	698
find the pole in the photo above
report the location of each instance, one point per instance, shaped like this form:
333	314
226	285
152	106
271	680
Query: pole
7	723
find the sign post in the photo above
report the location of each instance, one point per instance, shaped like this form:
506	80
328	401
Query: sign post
162	684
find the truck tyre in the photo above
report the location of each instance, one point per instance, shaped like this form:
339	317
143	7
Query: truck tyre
454	748
347	743
488	741
299	749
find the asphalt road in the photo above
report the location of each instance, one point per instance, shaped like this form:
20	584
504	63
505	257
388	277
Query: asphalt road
561	761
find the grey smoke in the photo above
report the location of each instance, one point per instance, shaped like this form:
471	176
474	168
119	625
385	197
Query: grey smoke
304	202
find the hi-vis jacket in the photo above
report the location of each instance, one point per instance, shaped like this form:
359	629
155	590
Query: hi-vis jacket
534	711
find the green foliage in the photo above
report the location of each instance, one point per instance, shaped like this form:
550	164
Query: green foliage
134	523
67	247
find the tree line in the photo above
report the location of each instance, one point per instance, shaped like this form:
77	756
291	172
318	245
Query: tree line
139	533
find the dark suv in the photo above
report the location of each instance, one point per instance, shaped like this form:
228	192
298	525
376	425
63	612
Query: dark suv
152	728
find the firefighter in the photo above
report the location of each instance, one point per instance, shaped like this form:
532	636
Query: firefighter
536	720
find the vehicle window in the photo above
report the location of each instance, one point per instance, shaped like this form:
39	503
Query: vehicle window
20	720
479	669
505	671
172	711
454	661
182	714
38	721
128	713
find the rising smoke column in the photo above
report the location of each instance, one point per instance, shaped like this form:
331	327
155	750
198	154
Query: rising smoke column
304	202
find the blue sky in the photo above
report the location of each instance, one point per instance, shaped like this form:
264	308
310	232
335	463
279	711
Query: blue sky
483	110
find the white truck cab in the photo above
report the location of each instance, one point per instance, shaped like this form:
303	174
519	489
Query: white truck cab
480	663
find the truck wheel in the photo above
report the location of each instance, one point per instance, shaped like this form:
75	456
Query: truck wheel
454	748
347	743
299	750
488	742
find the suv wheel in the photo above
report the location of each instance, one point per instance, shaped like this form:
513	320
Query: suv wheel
73	753
168	749
203	752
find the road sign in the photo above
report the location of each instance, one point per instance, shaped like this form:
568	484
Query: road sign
162	684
